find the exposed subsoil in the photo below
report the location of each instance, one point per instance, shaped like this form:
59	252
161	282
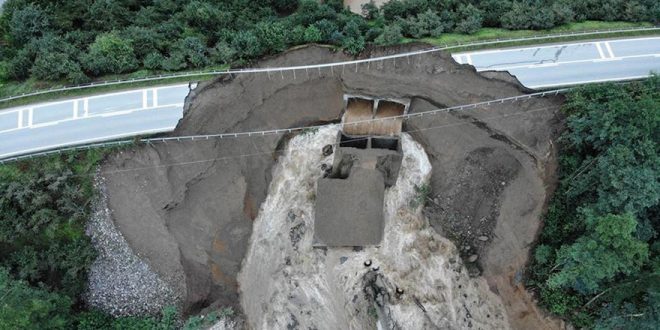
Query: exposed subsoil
187	208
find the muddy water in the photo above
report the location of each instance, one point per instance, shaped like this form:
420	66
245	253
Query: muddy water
285	282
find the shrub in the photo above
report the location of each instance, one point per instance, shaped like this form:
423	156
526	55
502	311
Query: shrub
312	34
391	35
470	19
370	10
110	54
153	61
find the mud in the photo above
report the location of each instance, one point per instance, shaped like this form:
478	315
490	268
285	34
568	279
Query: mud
187	208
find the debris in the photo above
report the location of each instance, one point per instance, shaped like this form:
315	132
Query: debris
327	150
483	238
473	258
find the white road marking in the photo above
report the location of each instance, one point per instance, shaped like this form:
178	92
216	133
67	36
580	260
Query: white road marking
501	68
155	96
20	119
118	113
609	49
468	59
144	99
86	107
50	123
55	122
75	109
610	59
543	65
588	81
30	116
501	50
86	141
600	50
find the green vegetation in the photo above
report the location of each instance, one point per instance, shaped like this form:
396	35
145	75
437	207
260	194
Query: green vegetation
45	254
79	41
422	194
598	259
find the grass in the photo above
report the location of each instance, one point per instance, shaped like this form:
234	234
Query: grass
8	88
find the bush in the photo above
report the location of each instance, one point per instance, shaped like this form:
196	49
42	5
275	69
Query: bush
28	23
470	19
312	34
55	66
391	35
370	10
423	25
110	54
222	53
153	61
25	307
246	45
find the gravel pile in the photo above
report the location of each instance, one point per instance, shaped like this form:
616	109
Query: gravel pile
119	282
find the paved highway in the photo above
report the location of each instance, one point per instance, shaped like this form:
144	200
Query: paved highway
40	127
571	64
105	117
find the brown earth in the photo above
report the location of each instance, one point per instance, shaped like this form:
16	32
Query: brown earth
187	207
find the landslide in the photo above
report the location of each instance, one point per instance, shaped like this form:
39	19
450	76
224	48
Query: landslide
187	208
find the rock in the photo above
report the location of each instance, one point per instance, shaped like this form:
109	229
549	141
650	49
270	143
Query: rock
483	238
327	150
473	258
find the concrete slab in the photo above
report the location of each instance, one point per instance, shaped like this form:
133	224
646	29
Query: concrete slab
349	212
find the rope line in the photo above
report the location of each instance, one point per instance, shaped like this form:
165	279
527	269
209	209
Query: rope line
271	153
287	130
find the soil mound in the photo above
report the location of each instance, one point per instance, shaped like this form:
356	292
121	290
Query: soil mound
187	208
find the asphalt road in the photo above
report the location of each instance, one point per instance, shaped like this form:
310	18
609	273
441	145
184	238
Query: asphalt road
571	64
105	117
40	127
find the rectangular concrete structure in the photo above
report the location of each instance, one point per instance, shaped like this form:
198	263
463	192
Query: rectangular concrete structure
349	212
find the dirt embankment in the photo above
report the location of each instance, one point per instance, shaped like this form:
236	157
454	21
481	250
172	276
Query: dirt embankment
187	208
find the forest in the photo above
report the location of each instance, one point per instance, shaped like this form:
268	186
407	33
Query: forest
597	262
77	40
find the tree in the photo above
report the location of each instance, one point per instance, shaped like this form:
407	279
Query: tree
370	10
55	66
194	52
222	53
106	15
563	11
470	19
391	35
608	250
153	61
272	36
312	34
24	307
425	24
493	10
110	54
27	23
246	45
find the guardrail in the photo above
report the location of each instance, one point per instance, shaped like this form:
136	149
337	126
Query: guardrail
325	65
281	130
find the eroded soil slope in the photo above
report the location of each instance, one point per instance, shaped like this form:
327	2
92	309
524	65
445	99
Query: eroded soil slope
187	208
